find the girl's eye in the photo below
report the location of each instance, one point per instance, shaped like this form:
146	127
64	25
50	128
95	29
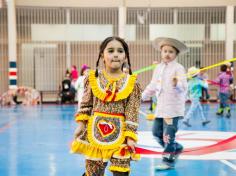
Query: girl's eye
110	51
120	50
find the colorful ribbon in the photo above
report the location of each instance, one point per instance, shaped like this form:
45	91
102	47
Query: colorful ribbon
153	66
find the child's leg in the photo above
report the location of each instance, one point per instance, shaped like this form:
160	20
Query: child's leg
199	106
151	108
120	167
157	130
227	108
115	173
203	117
224	99
192	109
221	107
172	148
95	168
207	94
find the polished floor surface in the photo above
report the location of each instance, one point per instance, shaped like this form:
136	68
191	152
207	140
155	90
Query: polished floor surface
34	141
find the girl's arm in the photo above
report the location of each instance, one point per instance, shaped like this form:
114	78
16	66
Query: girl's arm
86	105
132	113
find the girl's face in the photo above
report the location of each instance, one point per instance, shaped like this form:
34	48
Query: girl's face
114	55
168	53
86	71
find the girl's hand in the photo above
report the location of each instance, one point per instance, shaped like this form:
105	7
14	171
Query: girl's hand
131	143
80	128
174	81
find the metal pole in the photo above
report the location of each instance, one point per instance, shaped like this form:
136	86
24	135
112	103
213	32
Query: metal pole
11	18
68	46
122	20
229	29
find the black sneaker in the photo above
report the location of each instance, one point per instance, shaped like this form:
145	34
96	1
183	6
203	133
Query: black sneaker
205	122
228	115
187	123
178	152
219	113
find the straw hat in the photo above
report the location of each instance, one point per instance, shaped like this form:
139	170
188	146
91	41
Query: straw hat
161	41
228	64
193	71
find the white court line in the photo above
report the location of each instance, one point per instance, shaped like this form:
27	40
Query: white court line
233	166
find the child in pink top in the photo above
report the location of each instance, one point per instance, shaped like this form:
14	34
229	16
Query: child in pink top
74	75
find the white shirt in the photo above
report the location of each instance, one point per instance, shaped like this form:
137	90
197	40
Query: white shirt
79	86
170	99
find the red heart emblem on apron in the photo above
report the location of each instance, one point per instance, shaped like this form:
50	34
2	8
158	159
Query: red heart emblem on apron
106	128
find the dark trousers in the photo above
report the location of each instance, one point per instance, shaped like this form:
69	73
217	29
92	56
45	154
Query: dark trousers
205	94
224	100
165	136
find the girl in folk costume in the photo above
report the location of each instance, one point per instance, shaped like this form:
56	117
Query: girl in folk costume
108	115
169	85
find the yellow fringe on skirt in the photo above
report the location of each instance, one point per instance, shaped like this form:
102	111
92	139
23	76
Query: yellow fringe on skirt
94	153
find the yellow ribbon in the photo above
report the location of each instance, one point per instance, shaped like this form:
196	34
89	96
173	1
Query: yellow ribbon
211	66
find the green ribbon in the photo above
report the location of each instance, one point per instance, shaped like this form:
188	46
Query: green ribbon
151	67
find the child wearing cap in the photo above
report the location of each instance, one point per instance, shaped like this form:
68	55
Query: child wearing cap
170	86
224	79
195	85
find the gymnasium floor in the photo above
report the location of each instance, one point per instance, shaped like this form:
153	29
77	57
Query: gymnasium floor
34	141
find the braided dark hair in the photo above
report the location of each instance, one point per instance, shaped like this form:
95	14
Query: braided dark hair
103	46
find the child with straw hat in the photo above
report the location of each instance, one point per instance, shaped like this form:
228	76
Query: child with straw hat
170	87
195	85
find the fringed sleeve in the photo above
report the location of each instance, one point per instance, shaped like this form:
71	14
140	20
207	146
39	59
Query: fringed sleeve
86	105
132	112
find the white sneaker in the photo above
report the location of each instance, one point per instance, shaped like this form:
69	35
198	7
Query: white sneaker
163	166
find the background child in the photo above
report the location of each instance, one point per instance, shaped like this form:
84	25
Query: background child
29	95
224	80
79	84
195	85
74	75
169	85
7	98
108	115
204	77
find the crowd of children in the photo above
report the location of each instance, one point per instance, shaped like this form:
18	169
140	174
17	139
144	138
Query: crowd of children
113	93
28	95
